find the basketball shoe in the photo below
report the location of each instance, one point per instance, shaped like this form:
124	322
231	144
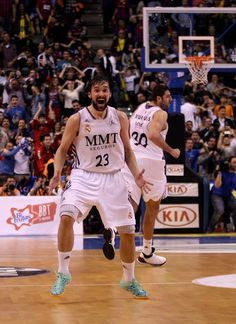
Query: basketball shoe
109	245
134	287
62	280
152	259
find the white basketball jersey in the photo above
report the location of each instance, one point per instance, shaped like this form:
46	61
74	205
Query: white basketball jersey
98	146
139	125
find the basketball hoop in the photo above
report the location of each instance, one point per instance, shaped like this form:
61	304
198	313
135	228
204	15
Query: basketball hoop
199	67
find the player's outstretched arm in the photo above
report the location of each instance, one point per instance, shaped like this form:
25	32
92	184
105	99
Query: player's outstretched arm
71	131
158	124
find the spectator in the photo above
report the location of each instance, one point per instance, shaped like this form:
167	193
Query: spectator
223	144
73	88
119	46
3	139
221	122
122	11
191	155
197	141
41	124
208	159
9	188
214	86
36	97
22	159
104	63
22	129
46	63
23	26
5	128
14	88
8	51
43	154
141	97
44	9
224	194
209	107
7	160
229	113
65	62
40	187
53	96
188	108
207	129
131	74
188	128
76	105
15	112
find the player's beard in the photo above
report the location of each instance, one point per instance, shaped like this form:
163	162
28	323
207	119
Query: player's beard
165	106
99	106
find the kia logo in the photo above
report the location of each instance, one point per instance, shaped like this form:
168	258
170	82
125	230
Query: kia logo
175	170
175	216
176	190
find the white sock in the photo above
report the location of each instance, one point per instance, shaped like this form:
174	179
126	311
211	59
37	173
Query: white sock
128	270
147	246
63	261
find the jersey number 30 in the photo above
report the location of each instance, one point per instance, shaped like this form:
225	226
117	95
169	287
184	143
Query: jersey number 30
139	139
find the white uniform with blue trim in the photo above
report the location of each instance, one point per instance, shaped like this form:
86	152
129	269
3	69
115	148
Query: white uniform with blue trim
96	178
149	156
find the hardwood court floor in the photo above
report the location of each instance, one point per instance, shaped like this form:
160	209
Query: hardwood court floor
94	295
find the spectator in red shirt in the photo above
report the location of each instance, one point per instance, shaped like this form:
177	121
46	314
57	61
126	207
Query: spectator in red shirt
43	154
40	125
44	8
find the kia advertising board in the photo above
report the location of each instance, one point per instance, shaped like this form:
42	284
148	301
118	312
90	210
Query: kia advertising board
177	216
175	189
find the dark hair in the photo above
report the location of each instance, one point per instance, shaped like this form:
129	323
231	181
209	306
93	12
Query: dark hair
159	91
98	79
75	101
42	115
14	96
42	136
231	158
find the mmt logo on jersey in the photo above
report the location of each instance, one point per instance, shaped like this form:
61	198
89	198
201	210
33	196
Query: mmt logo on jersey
99	139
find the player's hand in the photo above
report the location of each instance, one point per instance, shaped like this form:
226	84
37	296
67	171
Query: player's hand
144	185
175	153
55	181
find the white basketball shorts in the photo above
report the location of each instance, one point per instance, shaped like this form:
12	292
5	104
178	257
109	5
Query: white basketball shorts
108	192
154	173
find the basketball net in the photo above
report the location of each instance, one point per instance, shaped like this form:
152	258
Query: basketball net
199	66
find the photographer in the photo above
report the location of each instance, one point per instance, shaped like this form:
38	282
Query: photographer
223	194
223	143
40	187
9	188
208	159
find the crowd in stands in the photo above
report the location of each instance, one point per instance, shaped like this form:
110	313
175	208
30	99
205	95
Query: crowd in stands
46	62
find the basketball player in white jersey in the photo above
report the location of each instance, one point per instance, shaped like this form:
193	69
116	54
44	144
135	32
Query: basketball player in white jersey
100	139
148	129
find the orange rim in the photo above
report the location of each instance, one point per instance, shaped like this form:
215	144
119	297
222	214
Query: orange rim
198	60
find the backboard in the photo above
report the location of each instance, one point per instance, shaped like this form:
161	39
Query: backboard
170	34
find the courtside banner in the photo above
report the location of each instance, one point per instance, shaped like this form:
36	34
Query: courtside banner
175	170
31	215
182	189
177	216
